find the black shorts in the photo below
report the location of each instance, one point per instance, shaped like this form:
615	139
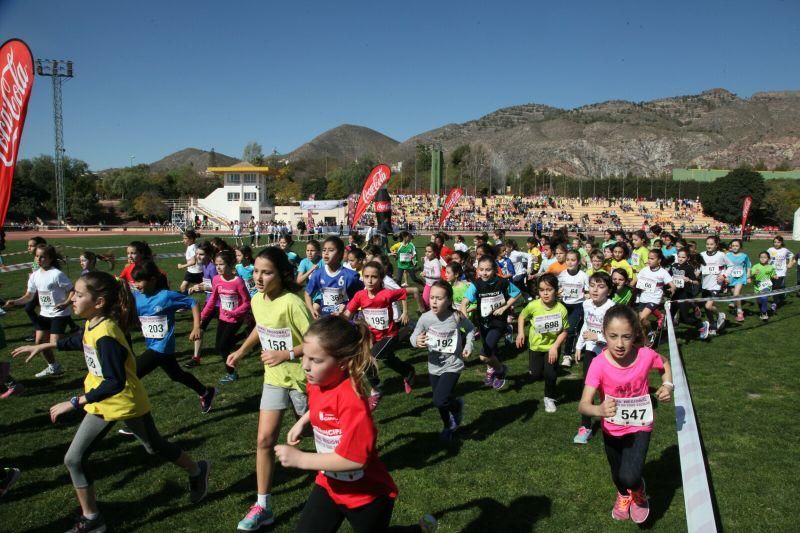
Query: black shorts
193	278
650	306
710	294
56	324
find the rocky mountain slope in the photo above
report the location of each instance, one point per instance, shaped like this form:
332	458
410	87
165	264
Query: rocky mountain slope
345	143
192	157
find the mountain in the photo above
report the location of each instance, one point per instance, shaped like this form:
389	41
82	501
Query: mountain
193	157
346	143
714	129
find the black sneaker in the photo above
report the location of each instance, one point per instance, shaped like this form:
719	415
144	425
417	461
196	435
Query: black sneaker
191	363
84	525
198	485
207	398
30	338
125	432
10	476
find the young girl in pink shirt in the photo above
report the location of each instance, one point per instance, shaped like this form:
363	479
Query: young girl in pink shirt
234	303
620	374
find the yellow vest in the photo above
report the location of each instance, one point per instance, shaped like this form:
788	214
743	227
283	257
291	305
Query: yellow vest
132	401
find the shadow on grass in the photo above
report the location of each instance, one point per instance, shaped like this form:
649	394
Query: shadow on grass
663	479
520	515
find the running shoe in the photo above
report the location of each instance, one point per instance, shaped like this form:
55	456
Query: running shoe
125	432
740	316
408	382
499	380
229	378
731	306
712	333
622	507
704	330
53	369
549	405
566	361
764	316
192	363
660	321
721	321
428	524
373	400
15	389
773	307
640	505
198	485
489	379
446	435
10	476
582	436
207	399
651	338
256	518
85	525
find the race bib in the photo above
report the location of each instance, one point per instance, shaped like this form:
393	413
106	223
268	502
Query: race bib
764	285
647	285
679	282
430	272
207	284
92	361
274	338
594	323
635	260
736	272
250	284
637	411
229	302
46	300
547	323
377	318
154	327
779	263
490	303
571	291
327	444
405	257
442	341
708	270
332	296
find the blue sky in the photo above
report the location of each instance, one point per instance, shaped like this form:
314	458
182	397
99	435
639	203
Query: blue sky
155	77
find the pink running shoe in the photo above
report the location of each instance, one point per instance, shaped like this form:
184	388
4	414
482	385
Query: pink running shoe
373	400
621	510
408	382
640	506
14	390
740	316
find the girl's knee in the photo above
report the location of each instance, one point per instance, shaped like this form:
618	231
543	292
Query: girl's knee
266	440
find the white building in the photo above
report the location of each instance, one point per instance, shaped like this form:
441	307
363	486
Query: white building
243	194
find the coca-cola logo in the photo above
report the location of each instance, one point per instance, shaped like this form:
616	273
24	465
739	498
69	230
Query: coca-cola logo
453	200
15	80
383	207
376	182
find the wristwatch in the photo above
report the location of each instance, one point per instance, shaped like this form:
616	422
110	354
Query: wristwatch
74	402
291	354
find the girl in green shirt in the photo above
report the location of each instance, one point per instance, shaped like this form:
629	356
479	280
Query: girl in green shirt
623	294
762	275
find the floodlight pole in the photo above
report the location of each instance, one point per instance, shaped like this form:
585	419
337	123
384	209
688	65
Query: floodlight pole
57	69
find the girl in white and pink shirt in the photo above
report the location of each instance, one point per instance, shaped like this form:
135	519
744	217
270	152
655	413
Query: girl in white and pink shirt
234	303
620	375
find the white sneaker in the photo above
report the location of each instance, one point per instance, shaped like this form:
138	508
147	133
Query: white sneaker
566	361
721	321
549	405
53	369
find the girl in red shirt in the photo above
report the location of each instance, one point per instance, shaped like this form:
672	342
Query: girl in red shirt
351	483
375	304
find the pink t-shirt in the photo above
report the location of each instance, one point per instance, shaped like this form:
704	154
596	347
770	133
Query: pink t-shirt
233	298
626	382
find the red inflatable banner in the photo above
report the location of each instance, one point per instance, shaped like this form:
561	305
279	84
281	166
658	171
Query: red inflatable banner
748	201
452	199
16	81
377	178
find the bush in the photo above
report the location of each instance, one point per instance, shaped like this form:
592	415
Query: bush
722	198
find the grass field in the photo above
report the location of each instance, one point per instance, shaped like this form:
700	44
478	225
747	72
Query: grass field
513	467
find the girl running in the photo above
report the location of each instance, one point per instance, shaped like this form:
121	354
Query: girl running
448	336
591	341
455	277
234	302
194	272
156	306
623	294
431	270
335	284
619	259
547	333
686	284
375	304
205	255
737	274
620	375
560	263
651	282
640	252
281	321
351	481
244	268
762	275
782	259
136	252
713	264
406	260
573	283
112	392
285	243
311	262
495	298
54	290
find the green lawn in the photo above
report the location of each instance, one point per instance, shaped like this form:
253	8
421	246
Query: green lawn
514	468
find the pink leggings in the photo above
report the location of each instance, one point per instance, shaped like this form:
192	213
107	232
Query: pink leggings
426	296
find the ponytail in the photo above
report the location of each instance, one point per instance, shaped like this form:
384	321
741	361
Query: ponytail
119	304
347	342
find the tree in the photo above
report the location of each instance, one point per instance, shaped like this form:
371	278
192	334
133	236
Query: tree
781	201
317	187
83	205
253	153
287	192
150	206
722	198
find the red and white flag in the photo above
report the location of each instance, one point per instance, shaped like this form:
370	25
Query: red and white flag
452	199
377	178
748	201
16	82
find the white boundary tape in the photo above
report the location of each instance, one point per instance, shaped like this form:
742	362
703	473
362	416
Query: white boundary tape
27	266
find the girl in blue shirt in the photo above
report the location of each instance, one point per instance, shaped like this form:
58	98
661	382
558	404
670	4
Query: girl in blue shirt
335	284
737	274
244	268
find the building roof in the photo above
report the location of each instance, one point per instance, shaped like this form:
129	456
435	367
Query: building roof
241	166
